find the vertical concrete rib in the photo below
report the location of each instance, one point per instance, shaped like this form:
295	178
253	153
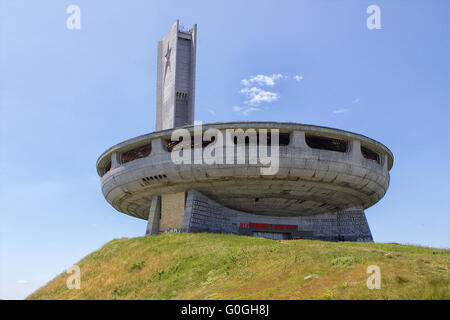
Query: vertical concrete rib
384	162
154	216
158	146
298	140
355	151
115	160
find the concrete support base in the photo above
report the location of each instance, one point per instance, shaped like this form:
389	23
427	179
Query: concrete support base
154	216
205	215
172	212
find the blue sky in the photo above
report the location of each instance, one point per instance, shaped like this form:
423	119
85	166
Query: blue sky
68	95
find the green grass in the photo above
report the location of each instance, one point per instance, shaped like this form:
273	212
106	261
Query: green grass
211	266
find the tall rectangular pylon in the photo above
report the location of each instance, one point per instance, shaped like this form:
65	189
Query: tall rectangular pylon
175	89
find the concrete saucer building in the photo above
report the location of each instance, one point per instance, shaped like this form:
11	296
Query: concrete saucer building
325	180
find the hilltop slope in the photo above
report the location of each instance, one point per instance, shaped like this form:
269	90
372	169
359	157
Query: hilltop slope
211	266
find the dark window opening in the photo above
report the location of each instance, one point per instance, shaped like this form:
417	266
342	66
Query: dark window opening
369	154
147	180
182	95
323	143
171	144
106	168
137	153
283	139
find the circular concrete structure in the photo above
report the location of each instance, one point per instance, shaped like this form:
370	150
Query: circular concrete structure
321	170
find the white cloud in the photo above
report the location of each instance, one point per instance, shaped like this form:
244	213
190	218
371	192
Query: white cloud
212	112
262	80
342	110
22	281
298	78
245	111
356	100
256	96
251	109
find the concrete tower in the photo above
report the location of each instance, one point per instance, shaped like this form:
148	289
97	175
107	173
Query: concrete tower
175	88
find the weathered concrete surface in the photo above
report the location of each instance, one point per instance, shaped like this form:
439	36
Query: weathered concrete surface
310	181
205	215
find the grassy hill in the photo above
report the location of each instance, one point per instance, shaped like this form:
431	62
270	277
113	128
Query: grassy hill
211	266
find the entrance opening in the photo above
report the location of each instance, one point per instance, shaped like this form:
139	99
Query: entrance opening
272	235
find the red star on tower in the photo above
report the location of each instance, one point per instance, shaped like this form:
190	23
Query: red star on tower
167	58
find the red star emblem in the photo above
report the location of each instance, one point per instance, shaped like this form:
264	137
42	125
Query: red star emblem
167	58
